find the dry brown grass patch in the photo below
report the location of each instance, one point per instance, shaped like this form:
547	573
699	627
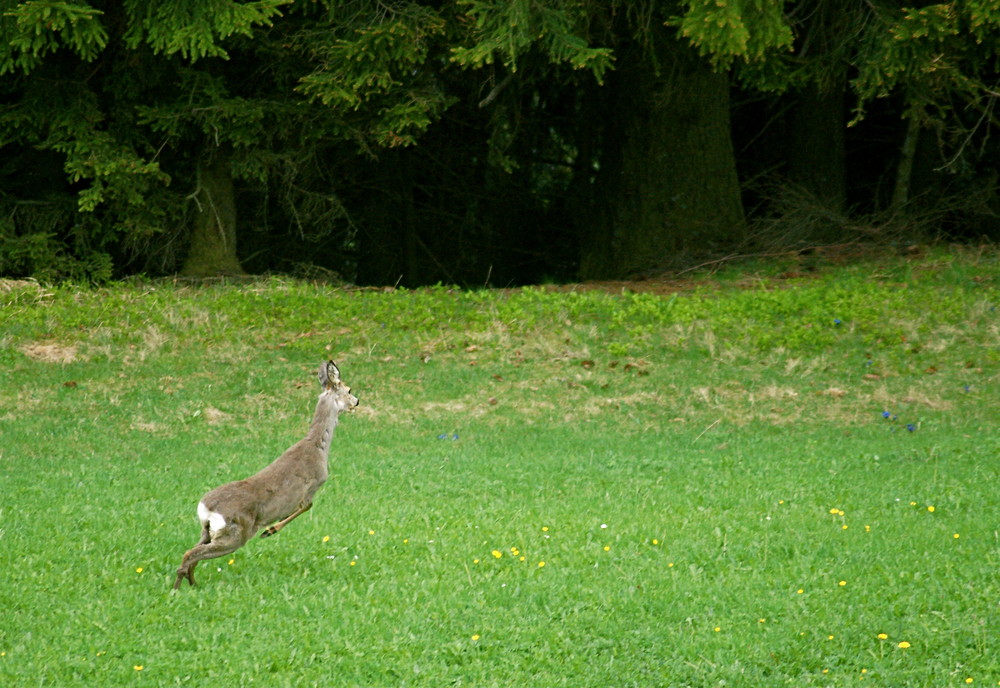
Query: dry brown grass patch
9	285
50	352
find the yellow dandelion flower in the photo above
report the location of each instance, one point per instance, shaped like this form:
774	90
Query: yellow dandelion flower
930	509
475	561
371	532
956	536
826	671
829	637
522	558
545	529
670	565
868	529
799	591
843	527
541	564
138	667
834	511
761	620
139	570
969	680
903	645
913	503
475	637
354	563
232	561
717	629
883	636
842	583
655	541
607	548
497	554
326	538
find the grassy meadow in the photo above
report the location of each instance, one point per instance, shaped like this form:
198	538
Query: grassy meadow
749	480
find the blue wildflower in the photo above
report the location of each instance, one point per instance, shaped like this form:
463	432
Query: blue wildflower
911	427
836	321
886	414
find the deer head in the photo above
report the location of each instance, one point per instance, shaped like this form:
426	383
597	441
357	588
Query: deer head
329	379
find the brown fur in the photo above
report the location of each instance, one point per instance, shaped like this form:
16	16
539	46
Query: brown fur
231	514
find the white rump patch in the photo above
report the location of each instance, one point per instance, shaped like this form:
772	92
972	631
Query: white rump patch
214	519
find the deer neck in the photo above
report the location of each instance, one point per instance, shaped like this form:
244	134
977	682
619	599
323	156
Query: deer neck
324	421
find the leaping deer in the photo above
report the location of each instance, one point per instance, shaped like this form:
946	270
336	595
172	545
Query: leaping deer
232	513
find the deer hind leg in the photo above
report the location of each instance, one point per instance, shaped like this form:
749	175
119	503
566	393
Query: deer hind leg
268	532
218	543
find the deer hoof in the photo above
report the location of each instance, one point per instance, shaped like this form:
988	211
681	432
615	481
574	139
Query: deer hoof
268	532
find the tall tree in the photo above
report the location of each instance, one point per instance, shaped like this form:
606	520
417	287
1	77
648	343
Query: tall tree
552	133
666	180
817	82
943	61
160	109
103	63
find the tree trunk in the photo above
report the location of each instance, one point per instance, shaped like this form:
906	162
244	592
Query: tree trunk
816	151
387	252
213	234
667	183
904	170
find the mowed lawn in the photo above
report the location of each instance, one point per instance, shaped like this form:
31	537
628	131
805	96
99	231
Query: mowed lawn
745	480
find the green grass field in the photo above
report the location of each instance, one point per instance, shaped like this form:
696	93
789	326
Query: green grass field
541	487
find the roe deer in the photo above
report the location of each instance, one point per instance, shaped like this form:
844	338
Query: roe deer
232	513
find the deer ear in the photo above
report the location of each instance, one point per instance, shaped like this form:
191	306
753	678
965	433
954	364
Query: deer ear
329	374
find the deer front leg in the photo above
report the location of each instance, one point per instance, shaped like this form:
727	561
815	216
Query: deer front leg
268	532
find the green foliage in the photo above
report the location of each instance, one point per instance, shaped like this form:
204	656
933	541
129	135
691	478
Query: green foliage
41	255
723	30
90	117
32	30
943	59
502	32
109	173
167	95
209	111
115	172
133	95
196	28
379	68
